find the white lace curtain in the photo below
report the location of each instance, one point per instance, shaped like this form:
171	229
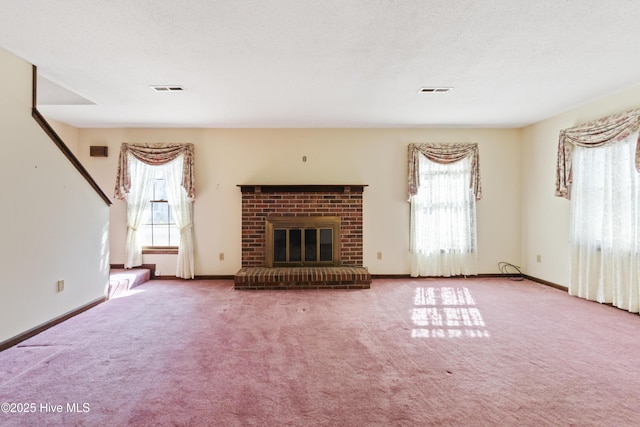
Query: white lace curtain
136	168
137	200
444	183
597	170
604	131
605	220
445	154
182	211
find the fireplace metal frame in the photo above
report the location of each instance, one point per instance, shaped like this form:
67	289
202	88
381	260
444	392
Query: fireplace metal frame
303	222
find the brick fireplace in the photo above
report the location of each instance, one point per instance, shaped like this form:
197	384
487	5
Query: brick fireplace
261	203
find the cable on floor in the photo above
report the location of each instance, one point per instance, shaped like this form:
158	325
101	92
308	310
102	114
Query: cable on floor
510	271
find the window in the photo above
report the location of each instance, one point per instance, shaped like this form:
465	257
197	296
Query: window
605	196
443	220
605	223
444	203
597	169
158	230
157	182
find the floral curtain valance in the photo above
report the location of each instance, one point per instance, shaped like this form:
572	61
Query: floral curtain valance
444	153
154	154
606	130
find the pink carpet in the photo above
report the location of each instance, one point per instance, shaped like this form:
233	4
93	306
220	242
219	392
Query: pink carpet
123	280
459	352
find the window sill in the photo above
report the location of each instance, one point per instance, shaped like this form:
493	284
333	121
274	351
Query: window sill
160	250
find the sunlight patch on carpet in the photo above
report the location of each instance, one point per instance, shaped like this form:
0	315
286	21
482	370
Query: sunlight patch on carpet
128	293
446	312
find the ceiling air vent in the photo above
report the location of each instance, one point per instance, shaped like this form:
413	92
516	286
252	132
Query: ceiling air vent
435	89
166	88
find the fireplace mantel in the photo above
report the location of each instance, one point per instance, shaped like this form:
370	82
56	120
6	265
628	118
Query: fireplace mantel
302	188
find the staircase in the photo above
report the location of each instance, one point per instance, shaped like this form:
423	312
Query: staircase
123	280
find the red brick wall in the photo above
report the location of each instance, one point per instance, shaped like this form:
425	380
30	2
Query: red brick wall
329	201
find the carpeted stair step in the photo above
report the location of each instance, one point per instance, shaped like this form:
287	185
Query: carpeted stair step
123	280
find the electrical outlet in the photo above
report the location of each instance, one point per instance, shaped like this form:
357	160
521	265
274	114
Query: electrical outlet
221	256
538	258
379	255
60	285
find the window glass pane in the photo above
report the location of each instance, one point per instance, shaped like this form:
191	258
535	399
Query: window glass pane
310	244
161	213
279	245
145	235
159	189
326	244
161	235
295	245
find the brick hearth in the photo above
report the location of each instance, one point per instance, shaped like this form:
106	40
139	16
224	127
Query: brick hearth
303	278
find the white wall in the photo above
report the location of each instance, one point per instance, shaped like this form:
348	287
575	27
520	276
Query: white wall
55	225
67	133
375	157
545	218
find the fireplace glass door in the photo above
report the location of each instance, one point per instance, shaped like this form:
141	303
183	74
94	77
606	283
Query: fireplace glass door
308	245
291	243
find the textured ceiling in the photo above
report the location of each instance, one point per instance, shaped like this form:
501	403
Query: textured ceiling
329	63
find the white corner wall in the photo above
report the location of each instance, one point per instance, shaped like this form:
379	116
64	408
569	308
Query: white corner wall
226	158
545	217
68	133
56	226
